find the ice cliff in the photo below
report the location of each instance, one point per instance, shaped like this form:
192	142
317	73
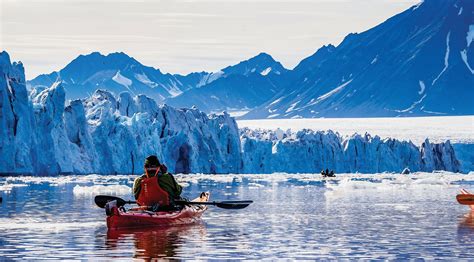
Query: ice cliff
266	151
42	133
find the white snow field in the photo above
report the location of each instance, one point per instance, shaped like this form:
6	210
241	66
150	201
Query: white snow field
457	129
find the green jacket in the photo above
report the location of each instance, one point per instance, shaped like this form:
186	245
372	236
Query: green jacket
166	182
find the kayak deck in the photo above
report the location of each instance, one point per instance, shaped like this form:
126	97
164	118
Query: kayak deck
142	218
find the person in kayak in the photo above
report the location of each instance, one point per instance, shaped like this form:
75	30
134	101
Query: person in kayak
327	173
156	188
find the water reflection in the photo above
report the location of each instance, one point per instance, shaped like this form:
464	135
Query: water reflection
466	228
156	242
382	216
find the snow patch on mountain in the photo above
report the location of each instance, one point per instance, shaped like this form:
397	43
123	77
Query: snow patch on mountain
374	60
276	101
409	109
292	107
470	35
446	58
422	87
330	93
464	59
209	78
122	80
145	80
266	71
173	89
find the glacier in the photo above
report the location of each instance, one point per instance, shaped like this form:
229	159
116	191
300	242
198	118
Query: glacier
308	151
43	134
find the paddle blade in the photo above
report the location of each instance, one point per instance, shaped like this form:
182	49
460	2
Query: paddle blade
233	204
102	200
465	199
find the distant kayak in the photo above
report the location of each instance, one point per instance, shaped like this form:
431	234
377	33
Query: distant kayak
134	218
328	173
466	198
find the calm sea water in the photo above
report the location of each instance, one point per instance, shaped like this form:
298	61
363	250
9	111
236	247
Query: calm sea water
378	216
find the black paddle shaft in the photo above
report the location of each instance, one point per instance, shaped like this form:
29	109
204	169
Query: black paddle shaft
221	204
102	200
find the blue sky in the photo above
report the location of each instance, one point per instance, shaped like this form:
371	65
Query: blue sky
181	36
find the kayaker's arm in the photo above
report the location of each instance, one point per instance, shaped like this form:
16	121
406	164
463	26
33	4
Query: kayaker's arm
177	187
137	186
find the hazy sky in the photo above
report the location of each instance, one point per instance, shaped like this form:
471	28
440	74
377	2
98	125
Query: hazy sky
181	36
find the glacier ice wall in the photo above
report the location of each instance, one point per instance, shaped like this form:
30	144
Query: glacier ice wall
266	151
17	150
42	133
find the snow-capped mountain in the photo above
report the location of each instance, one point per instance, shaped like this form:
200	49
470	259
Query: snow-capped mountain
116	72
245	85
419	62
262	64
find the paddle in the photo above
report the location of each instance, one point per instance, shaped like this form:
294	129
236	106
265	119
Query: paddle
102	200
221	204
465	199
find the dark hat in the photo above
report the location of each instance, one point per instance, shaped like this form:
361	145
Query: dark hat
152	161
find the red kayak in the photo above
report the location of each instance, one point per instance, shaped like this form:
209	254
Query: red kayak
466	198
133	218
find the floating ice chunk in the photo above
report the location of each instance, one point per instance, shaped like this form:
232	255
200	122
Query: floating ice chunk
101	189
9	187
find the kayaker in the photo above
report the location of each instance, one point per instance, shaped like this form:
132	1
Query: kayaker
156	188
327	173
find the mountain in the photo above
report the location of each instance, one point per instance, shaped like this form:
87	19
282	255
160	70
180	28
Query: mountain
239	87
262	64
417	63
116	72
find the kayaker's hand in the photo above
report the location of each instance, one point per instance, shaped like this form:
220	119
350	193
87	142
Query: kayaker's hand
155	207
